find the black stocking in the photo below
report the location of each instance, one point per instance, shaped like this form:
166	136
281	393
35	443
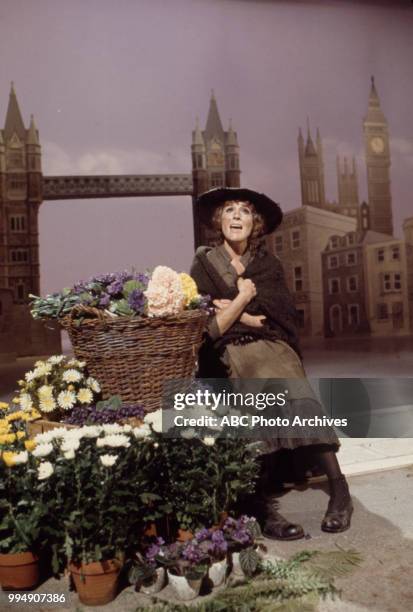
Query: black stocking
327	460
339	493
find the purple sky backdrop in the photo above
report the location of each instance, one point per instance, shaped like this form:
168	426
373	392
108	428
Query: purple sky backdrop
115	87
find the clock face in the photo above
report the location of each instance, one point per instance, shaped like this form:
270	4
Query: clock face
377	144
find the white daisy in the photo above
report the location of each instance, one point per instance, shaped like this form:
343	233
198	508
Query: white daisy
114	441
108	460
29	376
42	450
75	363
21	457
56	359
71	376
26	402
43	369
66	400
45	470
47	404
93	384
70	454
45	391
85	396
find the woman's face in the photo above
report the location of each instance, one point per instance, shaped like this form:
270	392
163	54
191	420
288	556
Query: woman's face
237	221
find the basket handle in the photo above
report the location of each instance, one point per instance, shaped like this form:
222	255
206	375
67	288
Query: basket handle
81	309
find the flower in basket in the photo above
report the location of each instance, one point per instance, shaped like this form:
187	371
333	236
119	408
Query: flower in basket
106	411
165	294
56	386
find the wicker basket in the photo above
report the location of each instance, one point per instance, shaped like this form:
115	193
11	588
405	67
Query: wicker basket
133	356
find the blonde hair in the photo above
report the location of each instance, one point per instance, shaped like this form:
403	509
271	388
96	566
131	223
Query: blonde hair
258	226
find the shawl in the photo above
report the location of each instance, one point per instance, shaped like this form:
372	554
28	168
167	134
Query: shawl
273	299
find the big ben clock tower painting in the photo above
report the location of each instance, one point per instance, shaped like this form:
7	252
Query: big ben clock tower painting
376	138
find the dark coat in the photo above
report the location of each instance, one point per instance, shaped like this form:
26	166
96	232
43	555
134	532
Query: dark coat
273	300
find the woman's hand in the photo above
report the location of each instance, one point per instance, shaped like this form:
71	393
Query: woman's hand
252	320
246	288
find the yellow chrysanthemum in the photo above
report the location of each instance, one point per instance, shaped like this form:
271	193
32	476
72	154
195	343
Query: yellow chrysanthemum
30	445
3	406
7	438
8	458
15	416
188	287
20	435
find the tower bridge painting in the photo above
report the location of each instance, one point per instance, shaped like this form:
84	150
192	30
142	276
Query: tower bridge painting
346	270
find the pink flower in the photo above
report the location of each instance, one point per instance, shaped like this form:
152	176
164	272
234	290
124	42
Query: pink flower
164	293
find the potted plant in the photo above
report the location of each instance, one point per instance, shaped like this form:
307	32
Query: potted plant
202	478
215	544
22	509
102	482
243	535
186	566
145	573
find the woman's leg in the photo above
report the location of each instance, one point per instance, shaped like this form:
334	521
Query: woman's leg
340	507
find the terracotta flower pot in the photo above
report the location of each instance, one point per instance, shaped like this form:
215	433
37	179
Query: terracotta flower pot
19	571
150	530
96	583
184	535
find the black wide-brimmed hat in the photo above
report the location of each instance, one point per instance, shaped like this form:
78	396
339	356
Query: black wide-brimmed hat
210	200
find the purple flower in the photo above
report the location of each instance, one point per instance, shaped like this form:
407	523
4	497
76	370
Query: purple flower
136	300
115	287
104	279
192	553
104	300
202	535
154	550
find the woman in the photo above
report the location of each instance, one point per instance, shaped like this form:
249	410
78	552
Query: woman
254	336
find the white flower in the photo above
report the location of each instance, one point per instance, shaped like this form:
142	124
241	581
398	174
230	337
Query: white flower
70	454
42	450
21	457
141	432
66	399
91	431
48	436
47	404
112	428
75	363
69	444
115	441
154	419
85	396
208	441
71	376
108	460
42	369
93	384
45	391
29	376
127	428
56	359
26	402
45	470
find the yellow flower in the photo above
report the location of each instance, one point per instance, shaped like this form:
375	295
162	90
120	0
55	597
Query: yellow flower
4	423
15	416
7	438
30	445
8	458
16	400
188	287
3	406
20	435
